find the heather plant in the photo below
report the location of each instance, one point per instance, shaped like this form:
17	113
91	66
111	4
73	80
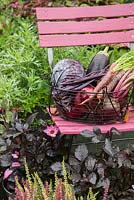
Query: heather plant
33	188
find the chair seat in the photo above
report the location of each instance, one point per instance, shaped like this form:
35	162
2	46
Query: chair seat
70	127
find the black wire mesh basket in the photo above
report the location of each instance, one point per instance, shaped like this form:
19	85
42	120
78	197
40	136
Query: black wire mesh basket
104	108
74	97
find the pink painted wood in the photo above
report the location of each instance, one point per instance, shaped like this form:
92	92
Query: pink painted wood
52	13
85	39
72	29
68	127
85	26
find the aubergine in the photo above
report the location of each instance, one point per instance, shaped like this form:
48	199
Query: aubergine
99	61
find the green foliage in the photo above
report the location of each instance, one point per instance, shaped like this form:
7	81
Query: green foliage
24	75
87	2
4	2
86	53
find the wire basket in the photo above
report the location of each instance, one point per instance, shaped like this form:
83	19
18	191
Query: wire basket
104	108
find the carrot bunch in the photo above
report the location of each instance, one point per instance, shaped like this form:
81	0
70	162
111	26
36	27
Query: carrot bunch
117	81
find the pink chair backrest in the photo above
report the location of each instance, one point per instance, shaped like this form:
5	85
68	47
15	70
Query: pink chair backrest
79	26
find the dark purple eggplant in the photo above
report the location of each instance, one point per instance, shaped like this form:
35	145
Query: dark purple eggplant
99	61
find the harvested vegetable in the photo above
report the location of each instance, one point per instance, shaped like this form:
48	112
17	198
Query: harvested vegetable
65	70
123	87
124	91
112	83
108	106
110	111
83	94
125	62
121	81
115	79
88	79
78	98
99	61
78	111
128	80
104	81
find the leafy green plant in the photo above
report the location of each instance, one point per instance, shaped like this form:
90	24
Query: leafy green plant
24	70
86	2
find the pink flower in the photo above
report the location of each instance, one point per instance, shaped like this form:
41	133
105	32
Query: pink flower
16	5
51	130
15	164
15	155
7	173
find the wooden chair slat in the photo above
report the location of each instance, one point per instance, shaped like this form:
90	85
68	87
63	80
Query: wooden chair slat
85	39
50	13
86	26
70	127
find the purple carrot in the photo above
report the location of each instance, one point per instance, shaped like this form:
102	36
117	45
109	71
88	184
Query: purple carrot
129	79
104	81
124	93
117	88
112	83
125	87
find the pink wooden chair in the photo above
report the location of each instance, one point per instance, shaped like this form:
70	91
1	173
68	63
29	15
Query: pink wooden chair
64	26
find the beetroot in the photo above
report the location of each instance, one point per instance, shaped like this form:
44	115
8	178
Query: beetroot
83	94
78	110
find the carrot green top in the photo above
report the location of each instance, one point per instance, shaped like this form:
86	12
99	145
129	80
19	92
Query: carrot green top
125	62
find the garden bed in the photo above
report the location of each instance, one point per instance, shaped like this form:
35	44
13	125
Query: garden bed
103	162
